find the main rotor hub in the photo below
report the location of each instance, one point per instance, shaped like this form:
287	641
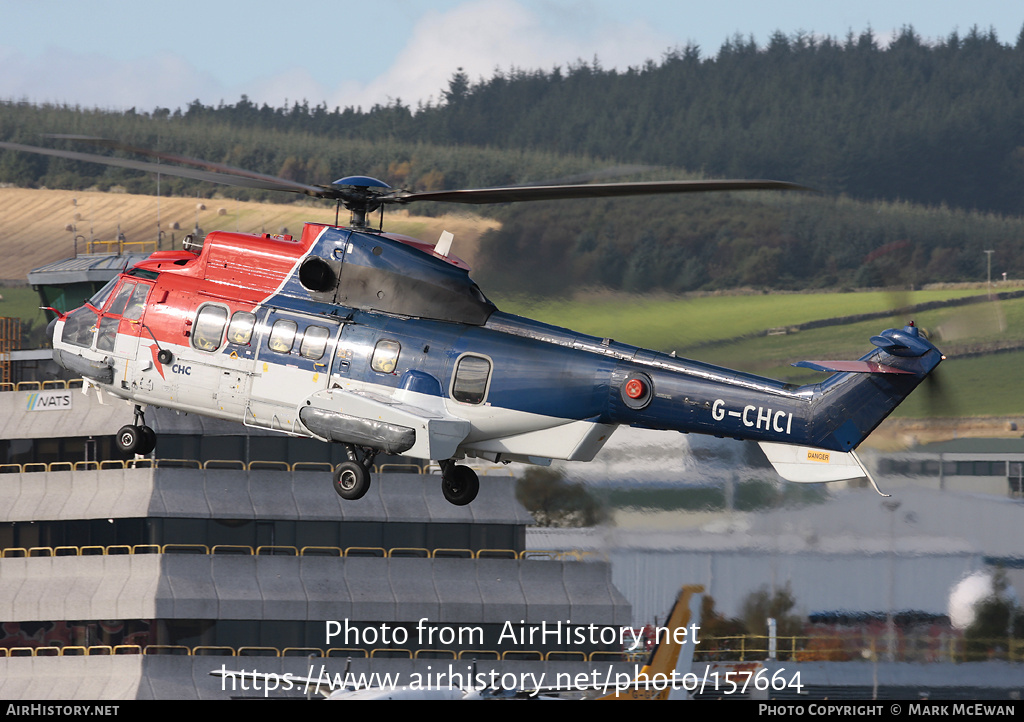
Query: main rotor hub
359	194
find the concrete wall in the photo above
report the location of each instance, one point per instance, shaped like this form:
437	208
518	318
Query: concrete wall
237	494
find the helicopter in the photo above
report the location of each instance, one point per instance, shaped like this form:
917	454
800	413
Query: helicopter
383	343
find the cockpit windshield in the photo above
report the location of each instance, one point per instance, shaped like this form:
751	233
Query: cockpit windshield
100	297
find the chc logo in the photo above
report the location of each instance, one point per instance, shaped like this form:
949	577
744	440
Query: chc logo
182	369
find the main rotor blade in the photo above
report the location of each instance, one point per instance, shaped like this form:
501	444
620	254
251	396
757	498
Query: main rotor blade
197	162
361	200
231	176
516	194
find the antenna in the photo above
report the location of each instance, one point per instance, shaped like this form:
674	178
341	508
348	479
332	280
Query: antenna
444	244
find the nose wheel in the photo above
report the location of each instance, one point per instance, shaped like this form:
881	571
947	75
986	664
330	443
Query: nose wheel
137	438
459	484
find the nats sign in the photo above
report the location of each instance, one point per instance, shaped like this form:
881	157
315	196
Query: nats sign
49	401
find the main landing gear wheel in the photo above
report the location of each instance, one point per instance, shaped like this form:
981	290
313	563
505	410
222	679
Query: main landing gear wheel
459	484
351	480
148	441
136	439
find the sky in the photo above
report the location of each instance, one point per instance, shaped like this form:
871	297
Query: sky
118	54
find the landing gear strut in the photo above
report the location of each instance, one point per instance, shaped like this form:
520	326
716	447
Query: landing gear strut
137	438
459	484
352	477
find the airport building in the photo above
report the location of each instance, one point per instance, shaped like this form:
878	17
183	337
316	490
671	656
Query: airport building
125	578
985	466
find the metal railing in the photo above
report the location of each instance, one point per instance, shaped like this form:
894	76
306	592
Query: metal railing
49	385
749	648
919	648
119	247
263	550
208	465
204	650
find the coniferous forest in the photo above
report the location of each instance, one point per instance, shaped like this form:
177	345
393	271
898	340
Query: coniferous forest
917	149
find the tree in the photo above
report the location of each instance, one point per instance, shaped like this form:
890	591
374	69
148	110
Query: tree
718	633
760	605
458	87
553	501
998	618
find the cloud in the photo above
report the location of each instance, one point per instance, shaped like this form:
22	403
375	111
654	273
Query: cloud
479	36
291	86
485	35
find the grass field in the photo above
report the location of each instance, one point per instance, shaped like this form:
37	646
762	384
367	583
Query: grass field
982	386
677	324
22	302
954	330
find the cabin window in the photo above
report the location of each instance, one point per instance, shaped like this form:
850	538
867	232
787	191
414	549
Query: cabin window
314	342
240	328
282	336
385	356
472	374
209	328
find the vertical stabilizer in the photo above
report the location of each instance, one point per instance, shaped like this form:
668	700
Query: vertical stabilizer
673	650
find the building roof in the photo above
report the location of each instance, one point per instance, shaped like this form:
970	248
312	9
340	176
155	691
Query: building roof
973	446
83	268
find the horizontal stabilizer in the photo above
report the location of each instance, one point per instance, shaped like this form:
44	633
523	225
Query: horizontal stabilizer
805	464
857	367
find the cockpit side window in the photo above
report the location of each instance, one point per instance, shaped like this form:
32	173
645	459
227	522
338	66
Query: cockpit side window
121	298
133	311
107	333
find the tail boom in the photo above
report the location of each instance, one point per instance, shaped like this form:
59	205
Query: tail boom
835	415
